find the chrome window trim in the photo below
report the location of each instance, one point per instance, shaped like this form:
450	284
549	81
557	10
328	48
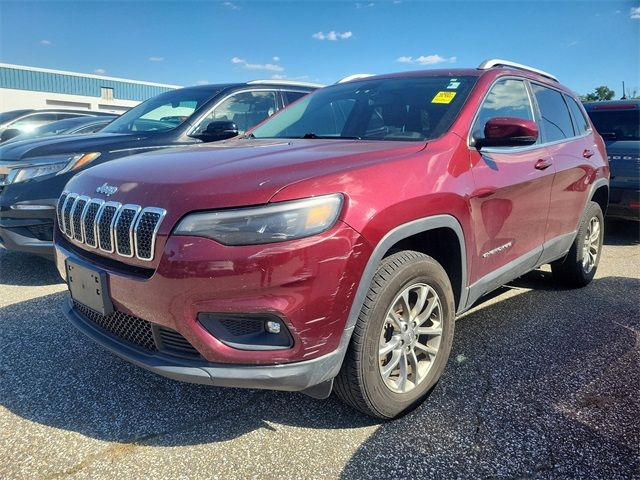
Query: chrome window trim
73	210
162	212
100	203
136	209
117	205
68	229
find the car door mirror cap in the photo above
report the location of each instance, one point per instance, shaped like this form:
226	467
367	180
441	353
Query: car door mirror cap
507	132
218	130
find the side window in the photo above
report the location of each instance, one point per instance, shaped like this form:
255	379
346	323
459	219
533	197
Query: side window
293	96
245	109
580	123
556	121
62	116
32	121
507	98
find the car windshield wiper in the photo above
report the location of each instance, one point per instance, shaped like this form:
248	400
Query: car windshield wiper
332	137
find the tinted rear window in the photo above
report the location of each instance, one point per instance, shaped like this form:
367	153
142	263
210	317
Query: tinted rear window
581	125
556	121
617	124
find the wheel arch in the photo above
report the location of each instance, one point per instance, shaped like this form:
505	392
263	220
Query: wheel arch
436	235
600	194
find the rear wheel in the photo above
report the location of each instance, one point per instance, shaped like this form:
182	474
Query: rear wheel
579	267
402	339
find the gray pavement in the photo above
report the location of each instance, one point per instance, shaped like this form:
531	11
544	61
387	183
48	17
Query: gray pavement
542	383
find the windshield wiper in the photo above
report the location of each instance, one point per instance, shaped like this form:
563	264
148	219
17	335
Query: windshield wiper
333	137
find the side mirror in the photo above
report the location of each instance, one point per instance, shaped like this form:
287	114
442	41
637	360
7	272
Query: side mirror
218	130
508	132
9	133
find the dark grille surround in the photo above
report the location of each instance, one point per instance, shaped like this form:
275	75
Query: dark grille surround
139	332
128	230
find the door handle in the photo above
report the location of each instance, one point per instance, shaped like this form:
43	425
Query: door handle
484	192
542	164
587	153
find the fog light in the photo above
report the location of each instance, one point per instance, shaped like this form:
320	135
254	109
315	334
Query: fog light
273	327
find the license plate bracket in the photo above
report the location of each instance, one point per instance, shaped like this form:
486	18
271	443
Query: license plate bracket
88	287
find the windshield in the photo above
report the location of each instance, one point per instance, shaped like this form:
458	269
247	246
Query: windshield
407	108
617	124
162	113
7	116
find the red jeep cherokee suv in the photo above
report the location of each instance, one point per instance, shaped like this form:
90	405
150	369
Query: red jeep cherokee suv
334	245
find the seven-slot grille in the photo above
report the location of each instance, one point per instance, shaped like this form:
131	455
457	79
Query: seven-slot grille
128	230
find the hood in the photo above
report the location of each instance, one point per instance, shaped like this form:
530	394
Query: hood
623	147
70	144
230	174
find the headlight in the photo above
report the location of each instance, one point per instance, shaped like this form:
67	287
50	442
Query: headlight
51	165
277	222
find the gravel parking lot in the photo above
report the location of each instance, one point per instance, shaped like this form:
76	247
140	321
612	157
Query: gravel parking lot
542	383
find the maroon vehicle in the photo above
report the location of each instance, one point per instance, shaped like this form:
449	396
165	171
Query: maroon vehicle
333	246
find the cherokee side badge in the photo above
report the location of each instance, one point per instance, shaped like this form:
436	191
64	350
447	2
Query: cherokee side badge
106	189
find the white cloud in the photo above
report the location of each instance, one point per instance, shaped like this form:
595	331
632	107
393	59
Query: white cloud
231	6
427	59
202	82
332	36
634	13
269	67
574	43
365	5
156	59
276	59
99	71
45	43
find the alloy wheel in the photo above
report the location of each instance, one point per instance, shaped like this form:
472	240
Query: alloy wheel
410	337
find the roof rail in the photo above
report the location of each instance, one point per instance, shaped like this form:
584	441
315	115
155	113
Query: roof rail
497	62
355	76
287	82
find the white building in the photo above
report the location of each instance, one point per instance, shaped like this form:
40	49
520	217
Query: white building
31	87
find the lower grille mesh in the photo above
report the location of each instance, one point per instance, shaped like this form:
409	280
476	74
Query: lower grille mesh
139	332
132	329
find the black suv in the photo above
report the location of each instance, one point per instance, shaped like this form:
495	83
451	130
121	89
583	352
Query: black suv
34	172
618	121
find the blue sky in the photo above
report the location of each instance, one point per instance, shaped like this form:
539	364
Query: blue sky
585	44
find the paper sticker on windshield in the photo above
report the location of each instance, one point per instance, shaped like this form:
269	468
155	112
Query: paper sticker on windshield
443	97
453	84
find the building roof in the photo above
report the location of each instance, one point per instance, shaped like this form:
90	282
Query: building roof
22	77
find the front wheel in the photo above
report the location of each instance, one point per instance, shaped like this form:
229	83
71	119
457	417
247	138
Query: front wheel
402	339
579	267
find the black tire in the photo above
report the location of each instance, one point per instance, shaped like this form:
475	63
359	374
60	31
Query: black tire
360	383
573	271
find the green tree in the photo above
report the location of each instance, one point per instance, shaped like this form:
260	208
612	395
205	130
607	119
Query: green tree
599	94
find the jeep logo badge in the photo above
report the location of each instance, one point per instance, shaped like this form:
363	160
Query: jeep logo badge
106	189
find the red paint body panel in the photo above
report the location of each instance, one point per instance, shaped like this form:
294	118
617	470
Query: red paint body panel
497	198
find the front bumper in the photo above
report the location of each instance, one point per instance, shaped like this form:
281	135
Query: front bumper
299	376
624	203
29	231
308	283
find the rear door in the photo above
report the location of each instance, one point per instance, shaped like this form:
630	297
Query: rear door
510	203
573	152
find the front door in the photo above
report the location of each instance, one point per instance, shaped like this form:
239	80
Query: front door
510	202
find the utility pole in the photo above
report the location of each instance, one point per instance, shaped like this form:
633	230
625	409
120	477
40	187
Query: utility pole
624	95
